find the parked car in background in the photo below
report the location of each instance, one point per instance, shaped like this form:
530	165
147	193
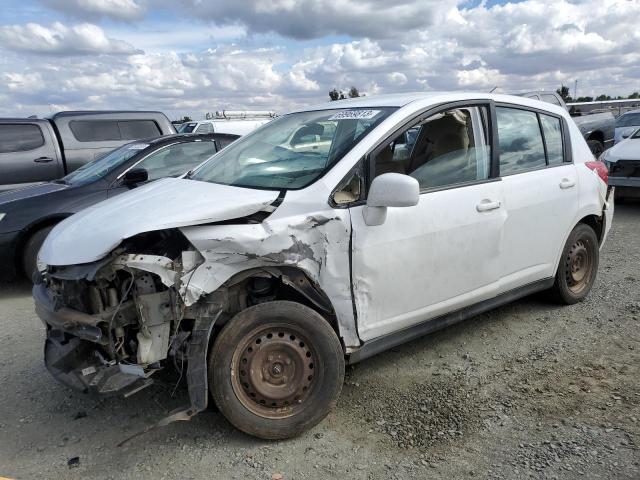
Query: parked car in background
597	128
28	214
289	261
225	121
623	162
627	124
38	150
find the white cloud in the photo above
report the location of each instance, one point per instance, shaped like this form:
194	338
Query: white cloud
92	9
81	39
305	19
393	46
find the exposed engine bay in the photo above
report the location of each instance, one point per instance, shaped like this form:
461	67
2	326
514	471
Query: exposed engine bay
112	324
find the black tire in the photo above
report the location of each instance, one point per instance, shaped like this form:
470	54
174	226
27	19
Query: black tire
248	363
578	266
31	249
596	147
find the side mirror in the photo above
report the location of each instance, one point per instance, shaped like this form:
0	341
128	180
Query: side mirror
390	190
135	176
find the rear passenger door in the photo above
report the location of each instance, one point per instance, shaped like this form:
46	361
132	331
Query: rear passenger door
541	194
27	155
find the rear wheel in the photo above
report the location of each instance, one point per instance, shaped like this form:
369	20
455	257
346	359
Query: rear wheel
596	147
578	265
276	369
31	249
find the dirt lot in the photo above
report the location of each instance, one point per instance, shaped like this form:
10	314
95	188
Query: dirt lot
530	390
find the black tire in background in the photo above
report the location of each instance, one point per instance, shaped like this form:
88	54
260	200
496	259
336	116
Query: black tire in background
276	369
31	249
596	147
578	266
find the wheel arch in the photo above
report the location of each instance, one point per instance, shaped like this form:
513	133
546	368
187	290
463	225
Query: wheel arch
591	219
596	135
32	228
288	279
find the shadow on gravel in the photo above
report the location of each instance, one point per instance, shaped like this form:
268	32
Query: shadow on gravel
16	289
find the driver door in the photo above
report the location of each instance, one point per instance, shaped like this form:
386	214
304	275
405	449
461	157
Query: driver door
443	253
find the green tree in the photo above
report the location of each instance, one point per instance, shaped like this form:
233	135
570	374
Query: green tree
602	98
353	92
634	95
334	95
563	91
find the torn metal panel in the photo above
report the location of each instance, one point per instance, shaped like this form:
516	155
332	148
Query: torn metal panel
317	244
161	266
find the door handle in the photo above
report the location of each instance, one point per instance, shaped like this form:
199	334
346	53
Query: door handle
486	205
43	159
566	183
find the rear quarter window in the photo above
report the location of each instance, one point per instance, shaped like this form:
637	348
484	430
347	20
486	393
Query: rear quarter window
20	138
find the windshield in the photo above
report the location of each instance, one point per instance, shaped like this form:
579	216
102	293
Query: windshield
291	151
100	167
187	127
628	120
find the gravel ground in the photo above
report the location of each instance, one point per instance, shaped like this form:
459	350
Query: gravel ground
530	390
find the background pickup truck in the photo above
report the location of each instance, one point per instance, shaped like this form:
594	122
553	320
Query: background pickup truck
38	150
597	128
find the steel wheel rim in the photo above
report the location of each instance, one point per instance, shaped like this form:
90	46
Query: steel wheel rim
579	266
273	371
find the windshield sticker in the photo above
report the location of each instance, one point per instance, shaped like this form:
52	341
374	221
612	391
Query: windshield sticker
138	146
355	115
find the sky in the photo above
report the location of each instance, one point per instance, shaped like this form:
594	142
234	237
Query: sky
189	57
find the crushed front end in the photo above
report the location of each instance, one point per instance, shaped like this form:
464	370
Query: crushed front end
112	324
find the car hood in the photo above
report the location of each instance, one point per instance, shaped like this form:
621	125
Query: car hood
620	131
30	191
92	233
628	149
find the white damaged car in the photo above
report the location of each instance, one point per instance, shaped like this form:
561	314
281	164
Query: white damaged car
324	237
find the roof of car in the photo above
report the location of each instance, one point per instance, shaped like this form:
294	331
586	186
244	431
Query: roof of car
386	100
402	99
73	113
631	111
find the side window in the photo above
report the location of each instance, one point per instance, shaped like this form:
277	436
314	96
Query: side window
20	138
553	139
205	128
550	99
95	130
448	148
177	159
520	140
105	130
135	129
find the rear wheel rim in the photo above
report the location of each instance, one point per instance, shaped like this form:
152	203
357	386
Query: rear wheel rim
579	266
273	371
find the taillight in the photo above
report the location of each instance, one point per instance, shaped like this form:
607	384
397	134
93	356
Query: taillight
601	169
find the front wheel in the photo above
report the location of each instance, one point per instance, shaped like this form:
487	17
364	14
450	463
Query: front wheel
578	266
276	369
